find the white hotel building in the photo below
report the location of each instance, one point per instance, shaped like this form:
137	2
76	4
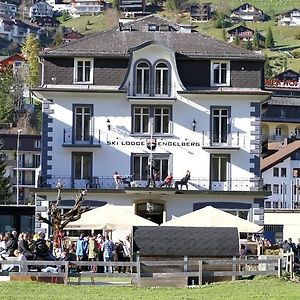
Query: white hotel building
100	95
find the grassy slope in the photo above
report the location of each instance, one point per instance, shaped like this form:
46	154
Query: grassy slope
259	288
284	35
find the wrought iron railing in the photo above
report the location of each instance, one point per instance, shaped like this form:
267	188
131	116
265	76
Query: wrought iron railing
232	139
81	137
195	183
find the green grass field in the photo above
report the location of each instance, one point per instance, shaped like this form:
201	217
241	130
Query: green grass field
259	288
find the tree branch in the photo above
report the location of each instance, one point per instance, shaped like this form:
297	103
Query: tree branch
42	219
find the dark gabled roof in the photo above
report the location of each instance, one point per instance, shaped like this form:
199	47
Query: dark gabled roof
238	28
120	43
190	241
290	11
289	71
234	10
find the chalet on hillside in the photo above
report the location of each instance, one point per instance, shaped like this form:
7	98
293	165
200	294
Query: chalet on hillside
200	12
15	60
288	79
72	36
8	9
290	18
46	22
245	33
40	9
247	12
132	5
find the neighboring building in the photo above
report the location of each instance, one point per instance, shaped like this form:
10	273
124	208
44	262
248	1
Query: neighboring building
281	138
16	30
87	7
290	18
245	33
19	215
247	12
58	6
153	93
132	5
200	12
46	22
15	61
40	9
8	9
287	80
72	36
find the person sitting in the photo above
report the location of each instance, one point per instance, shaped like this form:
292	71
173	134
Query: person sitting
152	175
183	181
23	247
42	251
168	181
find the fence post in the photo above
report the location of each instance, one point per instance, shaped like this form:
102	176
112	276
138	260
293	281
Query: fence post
138	269
66	272
185	263
233	278
292	265
279	270
200	272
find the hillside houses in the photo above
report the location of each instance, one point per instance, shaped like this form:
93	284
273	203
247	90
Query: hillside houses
290	18
40	9
248	12
16	30
8	9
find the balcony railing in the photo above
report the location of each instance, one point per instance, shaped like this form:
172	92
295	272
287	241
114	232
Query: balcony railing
195	184
152	93
232	139
80	138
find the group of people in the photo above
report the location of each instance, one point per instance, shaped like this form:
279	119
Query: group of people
153	175
98	248
87	248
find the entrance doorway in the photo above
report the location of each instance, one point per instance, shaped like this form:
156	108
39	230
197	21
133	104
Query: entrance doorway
151	211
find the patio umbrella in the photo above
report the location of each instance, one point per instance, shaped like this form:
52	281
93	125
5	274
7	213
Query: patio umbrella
213	217
112	217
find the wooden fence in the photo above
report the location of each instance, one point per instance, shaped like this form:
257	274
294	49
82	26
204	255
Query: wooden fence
192	271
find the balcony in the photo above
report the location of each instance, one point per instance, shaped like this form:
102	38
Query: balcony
167	93
233	141
194	184
85	139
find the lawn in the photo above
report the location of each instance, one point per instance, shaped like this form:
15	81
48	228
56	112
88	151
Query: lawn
259	288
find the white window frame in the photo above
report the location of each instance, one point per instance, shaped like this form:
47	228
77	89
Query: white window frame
161	83
76	60
212	63
143	84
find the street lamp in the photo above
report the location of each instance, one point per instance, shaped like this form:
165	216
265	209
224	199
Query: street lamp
18	146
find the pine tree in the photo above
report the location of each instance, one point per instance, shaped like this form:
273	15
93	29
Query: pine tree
6	96
268	69
270	43
224	35
31	50
58	38
5	186
237	39
248	45
255	42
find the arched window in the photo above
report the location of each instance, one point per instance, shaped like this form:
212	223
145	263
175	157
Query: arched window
161	79
142	78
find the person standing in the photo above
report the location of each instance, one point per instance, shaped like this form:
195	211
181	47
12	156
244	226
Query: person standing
81	248
127	251
108	251
152	174
93	251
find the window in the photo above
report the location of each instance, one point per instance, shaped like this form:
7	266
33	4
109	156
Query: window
220	73
219	167
267	187
275	172
278	131
140	161
82	123
83	70
37	144
142	79
36	160
82	165
283	172
220	120
275	189
161	79
296	172
161	119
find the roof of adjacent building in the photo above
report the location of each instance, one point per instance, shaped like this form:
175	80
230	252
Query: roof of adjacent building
121	41
186	241
280	155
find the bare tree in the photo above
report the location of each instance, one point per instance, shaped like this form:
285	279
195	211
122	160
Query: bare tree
58	220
